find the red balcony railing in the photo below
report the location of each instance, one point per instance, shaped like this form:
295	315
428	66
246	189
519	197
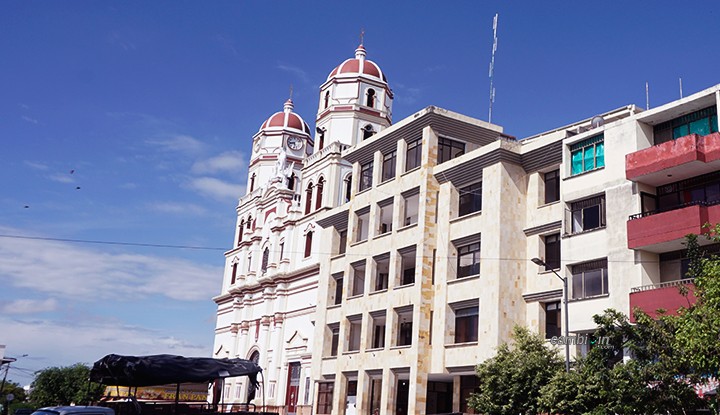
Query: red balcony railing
664	231
665	296
674	160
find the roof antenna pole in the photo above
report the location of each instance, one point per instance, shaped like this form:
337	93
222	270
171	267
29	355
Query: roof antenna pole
362	35
647	96
291	91
680	79
492	67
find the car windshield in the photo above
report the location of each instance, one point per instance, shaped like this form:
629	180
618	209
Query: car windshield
46	412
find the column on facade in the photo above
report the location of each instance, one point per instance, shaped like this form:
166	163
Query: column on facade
429	188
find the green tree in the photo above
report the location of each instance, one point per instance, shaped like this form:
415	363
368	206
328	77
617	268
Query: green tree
698	326
64	385
510	382
16	389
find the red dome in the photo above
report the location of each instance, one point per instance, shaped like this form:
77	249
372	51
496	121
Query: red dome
359	65
286	120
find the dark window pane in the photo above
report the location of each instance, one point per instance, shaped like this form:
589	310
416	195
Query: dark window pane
552	186
552	251
591	217
552	319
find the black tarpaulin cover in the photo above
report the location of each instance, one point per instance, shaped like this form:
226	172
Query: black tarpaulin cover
164	369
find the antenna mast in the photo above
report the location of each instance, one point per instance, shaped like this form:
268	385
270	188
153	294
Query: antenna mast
647	96
681	95
492	67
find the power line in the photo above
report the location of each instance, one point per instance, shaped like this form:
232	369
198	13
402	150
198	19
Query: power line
89	241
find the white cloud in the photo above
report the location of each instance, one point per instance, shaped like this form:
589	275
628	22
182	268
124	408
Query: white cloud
30	120
229	161
85	339
69	271
179	143
27	306
61	177
36	165
178	208
300	73
216	188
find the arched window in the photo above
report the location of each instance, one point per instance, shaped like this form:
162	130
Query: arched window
308	198
321	139
252	182
255	358
327	99
370	99
249	222
308	244
265	259
368	132
234	273
240	230
348	188
291	182
319	194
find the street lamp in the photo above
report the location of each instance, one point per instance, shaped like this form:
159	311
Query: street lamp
538	261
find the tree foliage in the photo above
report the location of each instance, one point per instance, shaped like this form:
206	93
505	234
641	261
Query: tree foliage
510	382
64	385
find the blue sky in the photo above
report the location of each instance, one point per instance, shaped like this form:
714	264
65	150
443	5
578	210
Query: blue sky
149	108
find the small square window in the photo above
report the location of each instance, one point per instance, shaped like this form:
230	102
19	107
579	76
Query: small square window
552	186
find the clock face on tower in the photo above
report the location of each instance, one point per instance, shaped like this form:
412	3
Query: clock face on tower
295	143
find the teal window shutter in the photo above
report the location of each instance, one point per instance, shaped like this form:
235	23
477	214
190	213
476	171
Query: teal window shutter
600	154
577	165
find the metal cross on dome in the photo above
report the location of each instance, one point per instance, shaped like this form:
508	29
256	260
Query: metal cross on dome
362	35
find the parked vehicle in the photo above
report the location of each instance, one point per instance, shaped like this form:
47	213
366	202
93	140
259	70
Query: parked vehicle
74	410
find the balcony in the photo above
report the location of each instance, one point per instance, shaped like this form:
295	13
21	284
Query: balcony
688	156
664	231
666	296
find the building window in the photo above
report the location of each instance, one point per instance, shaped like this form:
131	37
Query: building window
382	272
363	225
590	279
378	329
252	182
386	216
367	132
552	319
702	122
319	193
366	176
327	102
291	181
587	155
449	149
375	395
552	186
249	222
308	198
348	188
468	262
696	190
388	166
233	277
358	279
308	244
265	260
336	289
552	251
587	214
411	208
343	242
470	199
413	157
404	326
407	264
240	231
321	139
355	328
325	397
466	324
249	262
370	99
282	250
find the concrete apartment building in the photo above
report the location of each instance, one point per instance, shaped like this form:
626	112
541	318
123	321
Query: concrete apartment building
377	263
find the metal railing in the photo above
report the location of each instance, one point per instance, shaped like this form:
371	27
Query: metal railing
680	206
650	287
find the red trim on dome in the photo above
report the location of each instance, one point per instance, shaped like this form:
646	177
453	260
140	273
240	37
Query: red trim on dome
350	66
277	120
295	122
371	68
